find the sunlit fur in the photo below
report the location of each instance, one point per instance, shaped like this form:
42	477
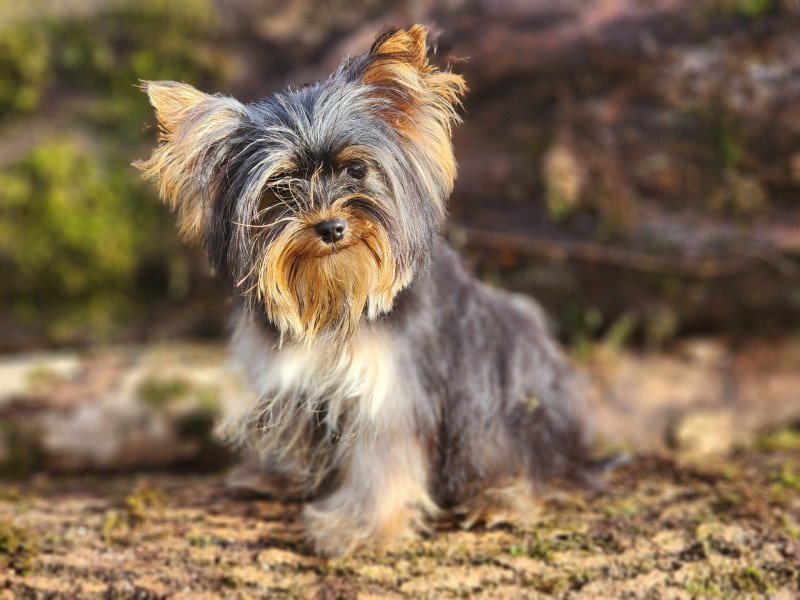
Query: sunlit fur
423	103
192	126
389	385
311	288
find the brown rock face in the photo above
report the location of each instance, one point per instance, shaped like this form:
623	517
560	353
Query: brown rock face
649	145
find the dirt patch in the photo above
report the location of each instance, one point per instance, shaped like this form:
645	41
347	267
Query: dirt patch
663	529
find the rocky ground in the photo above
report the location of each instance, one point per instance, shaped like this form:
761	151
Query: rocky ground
99	500
665	529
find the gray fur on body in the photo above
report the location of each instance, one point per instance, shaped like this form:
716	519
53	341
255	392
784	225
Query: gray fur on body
478	379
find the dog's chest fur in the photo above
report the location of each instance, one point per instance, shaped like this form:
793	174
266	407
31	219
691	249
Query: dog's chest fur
312	402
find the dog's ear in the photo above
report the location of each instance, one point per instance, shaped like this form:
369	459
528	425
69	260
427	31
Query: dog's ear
397	65
195	129
419	101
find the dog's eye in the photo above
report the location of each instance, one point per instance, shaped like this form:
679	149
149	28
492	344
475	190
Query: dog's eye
356	170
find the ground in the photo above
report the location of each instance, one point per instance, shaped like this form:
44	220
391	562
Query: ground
665	528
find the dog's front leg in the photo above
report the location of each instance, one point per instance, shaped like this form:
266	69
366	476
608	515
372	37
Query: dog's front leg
381	496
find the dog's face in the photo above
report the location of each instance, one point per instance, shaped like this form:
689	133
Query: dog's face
319	203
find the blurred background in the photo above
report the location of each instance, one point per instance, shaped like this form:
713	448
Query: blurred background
633	165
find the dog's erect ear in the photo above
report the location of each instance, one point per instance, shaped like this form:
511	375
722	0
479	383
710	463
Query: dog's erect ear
194	131
421	102
172	100
397	64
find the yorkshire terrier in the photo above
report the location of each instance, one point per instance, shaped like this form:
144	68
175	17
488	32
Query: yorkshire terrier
391	384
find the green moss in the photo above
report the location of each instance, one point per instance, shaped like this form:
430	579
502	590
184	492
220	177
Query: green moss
540	549
788	525
788	476
727	501
786	438
703	586
200	540
119	524
624	507
143	500
53	540
545	548
579	579
585	322
753	9
749	580
18	547
547	584
208	398
115	528
159	393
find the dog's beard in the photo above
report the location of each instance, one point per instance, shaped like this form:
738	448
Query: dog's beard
315	291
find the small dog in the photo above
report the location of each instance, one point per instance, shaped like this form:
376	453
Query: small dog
391	384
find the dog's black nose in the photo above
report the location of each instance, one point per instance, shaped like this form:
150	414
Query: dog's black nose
331	230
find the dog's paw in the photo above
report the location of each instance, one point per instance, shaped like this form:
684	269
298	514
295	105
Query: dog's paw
335	532
510	503
331	532
253	477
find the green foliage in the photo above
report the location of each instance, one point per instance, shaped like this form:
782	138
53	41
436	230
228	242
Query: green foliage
131	41
77	225
107	53
24	66
661	327
72	231
754	9
585	322
620	332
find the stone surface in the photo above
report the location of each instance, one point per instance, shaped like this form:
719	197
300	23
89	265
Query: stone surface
119	408
126	408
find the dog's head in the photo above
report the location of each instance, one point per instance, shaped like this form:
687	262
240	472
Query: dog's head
319	203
